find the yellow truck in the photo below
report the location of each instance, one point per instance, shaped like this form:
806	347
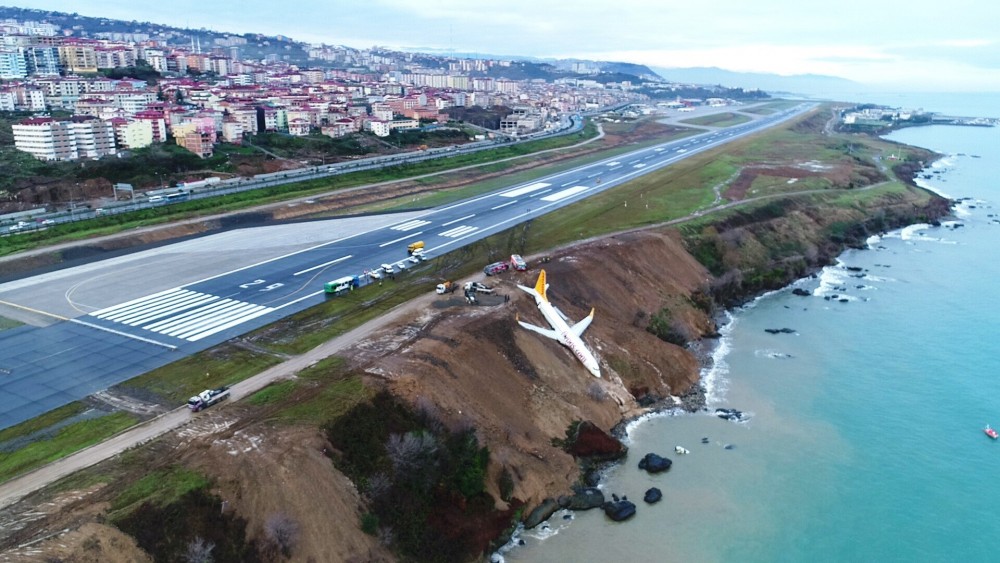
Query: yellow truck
415	246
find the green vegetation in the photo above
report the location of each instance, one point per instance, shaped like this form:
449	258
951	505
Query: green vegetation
6	323
160	488
663	325
415	472
305	330
223	365
69	439
272	393
41	422
726	119
183	529
326	401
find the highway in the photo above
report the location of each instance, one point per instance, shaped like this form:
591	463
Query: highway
97	330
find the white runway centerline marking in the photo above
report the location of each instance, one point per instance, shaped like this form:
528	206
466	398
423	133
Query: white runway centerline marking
411	235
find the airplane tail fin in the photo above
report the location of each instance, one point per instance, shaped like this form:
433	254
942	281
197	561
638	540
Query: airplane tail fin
541	286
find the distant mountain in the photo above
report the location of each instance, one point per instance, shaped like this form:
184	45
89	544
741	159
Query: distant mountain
801	84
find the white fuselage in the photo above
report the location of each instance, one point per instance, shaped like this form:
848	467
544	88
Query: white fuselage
567	338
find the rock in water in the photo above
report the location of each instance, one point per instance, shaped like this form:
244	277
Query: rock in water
729	414
541	513
654	463
583	499
801	292
618	511
653	495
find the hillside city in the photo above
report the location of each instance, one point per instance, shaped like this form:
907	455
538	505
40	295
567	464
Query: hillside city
204	91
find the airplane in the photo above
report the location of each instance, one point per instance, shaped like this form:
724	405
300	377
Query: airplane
566	335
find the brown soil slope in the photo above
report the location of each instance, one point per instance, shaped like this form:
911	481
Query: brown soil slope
521	390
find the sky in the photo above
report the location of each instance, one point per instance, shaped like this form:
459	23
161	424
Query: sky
886	45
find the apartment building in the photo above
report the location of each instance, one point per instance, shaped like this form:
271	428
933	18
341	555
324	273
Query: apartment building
13	64
115	57
71	139
78	58
232	131
156	122
133	134
197	136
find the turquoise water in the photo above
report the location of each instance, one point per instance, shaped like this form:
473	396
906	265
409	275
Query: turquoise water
864	441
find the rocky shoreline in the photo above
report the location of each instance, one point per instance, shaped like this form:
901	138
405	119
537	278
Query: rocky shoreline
694	399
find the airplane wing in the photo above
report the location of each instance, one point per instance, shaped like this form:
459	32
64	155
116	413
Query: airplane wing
543	331
581	326
560	313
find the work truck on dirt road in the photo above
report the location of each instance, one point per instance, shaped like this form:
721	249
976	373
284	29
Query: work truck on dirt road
207	398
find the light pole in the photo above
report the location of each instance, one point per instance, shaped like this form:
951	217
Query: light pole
72	202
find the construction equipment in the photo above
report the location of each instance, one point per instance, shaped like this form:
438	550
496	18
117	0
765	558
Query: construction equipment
207	398
478	288
446	287
414	246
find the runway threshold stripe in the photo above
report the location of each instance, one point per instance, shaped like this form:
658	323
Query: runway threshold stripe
138	308
458	231
199	336
166	325
125	308
125	334
206	323
140	299
180	304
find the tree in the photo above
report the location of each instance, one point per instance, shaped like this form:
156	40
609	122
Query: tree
408	450
199	551
282	532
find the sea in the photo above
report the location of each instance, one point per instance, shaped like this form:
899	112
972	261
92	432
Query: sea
863	431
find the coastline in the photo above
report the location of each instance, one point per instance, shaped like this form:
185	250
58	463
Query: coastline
711	353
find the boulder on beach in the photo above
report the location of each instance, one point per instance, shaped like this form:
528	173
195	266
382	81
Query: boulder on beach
619	510
653	495
589	441
583	498
541	513
653	463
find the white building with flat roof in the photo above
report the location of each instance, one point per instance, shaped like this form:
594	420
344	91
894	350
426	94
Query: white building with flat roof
78	137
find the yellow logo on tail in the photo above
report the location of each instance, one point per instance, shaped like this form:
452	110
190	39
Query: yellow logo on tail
540	286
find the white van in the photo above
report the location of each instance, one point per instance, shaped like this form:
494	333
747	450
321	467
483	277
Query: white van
387	268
